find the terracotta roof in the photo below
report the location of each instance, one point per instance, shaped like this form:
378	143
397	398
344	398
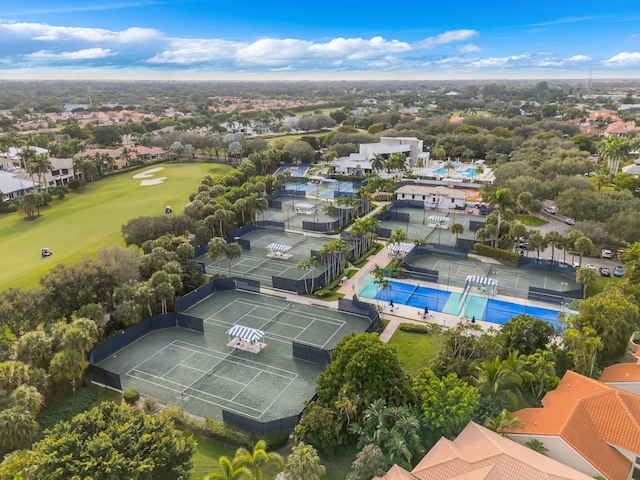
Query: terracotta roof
592	418
621	372
480	454
398	473
591	131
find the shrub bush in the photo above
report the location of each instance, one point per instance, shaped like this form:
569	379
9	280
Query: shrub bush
227	433
505	256
414	328
323	292
47	198
131	396
150	404
76	184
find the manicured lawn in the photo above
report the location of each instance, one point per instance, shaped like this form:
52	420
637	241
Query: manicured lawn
415	350
205	460
83	222
531	221
340	465
601	283
295	138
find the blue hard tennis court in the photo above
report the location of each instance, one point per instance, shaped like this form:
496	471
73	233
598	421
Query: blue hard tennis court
482	308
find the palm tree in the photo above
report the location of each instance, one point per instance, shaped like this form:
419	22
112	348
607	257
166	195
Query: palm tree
216	248
232	251
495	378
478	170
525	202
448	167
42	165
303	463
378	162
397	236
144	296
503	200
556	240
583	245
27	398
308	264
586	277
17	427
68	365
381	282
537	446
456	229
505	422
229	470
256	460
614	149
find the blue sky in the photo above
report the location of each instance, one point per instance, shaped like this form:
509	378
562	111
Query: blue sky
286	39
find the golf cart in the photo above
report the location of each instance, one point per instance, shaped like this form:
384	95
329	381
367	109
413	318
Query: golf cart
167	209
46	252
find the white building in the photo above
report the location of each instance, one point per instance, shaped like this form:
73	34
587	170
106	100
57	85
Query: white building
433	197
13	186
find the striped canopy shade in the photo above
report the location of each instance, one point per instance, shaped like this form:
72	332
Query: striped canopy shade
304	206
401	247
482	280
278	247
450	180
246	333
438	218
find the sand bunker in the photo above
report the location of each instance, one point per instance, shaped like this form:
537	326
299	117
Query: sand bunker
155	181
148	173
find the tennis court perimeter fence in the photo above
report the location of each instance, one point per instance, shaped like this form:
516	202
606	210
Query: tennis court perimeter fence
361	308
274	427
176	319
312	354
121	340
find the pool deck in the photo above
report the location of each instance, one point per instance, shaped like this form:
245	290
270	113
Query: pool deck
409	314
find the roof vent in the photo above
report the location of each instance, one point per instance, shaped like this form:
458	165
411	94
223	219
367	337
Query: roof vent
568	384
535	423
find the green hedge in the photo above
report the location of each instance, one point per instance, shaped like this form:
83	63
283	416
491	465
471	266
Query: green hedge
505	256
372	251
131	396
414	328
224	433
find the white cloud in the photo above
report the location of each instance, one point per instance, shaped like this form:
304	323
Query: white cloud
499	61
451	36
579	58
48	33
455	60
560	62
469	48
185	51
624	59
85	54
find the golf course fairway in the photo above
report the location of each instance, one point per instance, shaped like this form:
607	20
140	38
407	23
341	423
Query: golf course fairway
83	222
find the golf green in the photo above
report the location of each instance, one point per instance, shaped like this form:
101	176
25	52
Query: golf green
83	222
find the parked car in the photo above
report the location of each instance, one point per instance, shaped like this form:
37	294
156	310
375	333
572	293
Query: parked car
551	209
575	264
606	253
591	266
619	252
46	252
569	221
605	272
618	271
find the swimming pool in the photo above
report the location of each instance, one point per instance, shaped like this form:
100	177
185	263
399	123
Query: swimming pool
482	308
465	173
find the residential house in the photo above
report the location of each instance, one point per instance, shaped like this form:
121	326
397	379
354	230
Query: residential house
14	187
481	454
433	197
587	425
624	375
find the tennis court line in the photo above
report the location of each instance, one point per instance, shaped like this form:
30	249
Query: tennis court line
299	314
242	389
205	371
200	349
186	386
147	359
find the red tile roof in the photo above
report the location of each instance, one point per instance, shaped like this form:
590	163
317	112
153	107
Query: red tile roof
593	418
480	454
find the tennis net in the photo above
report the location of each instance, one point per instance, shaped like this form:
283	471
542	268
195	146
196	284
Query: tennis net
277	317
199	382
